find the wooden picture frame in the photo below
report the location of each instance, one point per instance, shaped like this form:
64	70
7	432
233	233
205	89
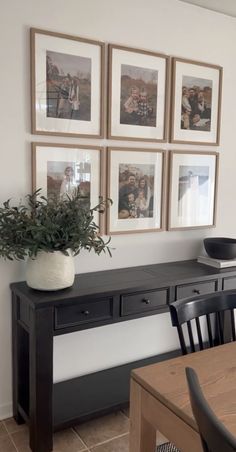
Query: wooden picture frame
138	174
87	164
67	85
193	180
138	94
196	102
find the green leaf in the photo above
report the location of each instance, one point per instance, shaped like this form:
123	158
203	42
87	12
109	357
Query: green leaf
50	224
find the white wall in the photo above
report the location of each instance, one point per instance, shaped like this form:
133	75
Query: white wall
167	26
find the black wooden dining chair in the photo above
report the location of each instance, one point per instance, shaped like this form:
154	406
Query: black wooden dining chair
213	307
214	435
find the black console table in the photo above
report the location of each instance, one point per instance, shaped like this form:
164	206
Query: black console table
96	299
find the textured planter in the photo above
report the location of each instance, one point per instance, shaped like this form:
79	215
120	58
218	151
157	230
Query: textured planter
50	271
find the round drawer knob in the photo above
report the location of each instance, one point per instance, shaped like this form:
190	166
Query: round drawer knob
196	291
146	301
85	312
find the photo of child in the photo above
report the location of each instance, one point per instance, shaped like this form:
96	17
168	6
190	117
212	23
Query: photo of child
138	102
142	204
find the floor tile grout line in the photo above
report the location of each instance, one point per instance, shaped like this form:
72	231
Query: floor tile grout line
13	442
4	425
14	431
108	440
18	427
4	434
9	434
3	422
77	434
86	448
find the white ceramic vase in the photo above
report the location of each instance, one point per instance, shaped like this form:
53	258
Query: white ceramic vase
50	271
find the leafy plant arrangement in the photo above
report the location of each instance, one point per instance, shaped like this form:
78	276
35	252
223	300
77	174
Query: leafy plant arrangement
49	224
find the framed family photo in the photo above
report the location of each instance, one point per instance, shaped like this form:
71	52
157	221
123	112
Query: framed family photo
193	189
138	90
196	102
61	169
136	186
66	84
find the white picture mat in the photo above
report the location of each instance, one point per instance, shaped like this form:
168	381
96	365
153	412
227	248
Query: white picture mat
46	154
132	157
203	72
44	43
120	57
192	160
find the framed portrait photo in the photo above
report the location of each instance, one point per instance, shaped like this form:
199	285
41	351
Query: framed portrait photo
138	91
196	102
66	85
192	189
136	187
61	169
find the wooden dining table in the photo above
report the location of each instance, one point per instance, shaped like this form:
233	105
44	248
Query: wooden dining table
160	401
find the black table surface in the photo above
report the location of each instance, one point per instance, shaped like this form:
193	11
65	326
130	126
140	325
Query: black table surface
123	280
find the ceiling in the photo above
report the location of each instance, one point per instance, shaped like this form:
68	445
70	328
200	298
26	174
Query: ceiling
227	7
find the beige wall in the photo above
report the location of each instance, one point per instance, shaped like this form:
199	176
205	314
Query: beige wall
166	26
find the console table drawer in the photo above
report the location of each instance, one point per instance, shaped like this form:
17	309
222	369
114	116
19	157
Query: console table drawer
76	314
189	290
143	301
229	283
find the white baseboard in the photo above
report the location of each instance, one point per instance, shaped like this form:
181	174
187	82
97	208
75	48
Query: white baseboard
5	411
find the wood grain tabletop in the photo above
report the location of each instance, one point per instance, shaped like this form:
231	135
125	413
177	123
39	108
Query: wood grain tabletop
216	369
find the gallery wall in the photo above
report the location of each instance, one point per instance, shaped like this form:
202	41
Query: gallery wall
165	26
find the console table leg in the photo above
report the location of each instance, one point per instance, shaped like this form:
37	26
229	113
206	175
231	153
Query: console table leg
41	379
19	362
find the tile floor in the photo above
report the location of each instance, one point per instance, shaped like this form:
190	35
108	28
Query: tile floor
109	433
